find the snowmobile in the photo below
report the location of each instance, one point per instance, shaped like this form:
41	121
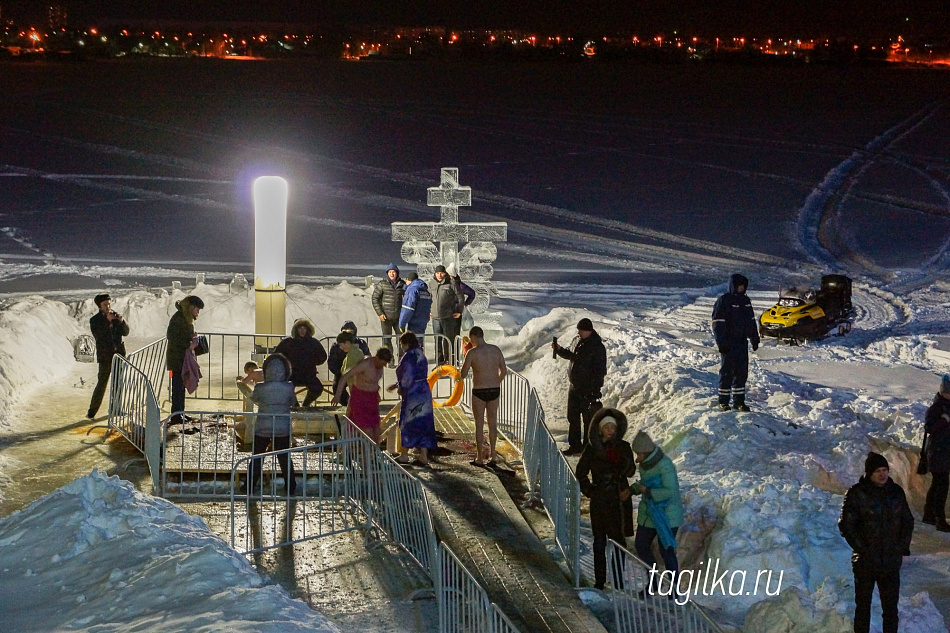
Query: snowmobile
803	313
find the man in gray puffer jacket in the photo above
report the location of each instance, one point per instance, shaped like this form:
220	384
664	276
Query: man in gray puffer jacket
272	429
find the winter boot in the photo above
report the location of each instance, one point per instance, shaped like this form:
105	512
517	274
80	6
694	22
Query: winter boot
930	516
741	406
723	406
942	525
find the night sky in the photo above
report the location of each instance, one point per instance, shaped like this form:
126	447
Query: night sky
785	18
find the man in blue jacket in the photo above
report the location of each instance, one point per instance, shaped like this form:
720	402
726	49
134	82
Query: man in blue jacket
416	305
734	325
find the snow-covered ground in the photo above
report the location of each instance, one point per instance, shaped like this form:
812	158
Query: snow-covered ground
762	490
631	193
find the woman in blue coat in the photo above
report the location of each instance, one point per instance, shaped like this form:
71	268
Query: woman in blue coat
416	417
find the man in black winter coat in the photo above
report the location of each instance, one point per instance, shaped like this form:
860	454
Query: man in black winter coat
734	325
937	427
877	523
588	369
108	328
387	302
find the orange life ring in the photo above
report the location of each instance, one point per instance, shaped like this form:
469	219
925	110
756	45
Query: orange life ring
453	373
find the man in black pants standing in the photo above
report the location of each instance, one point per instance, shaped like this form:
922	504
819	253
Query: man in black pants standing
734	326
588	367
877	523
108	328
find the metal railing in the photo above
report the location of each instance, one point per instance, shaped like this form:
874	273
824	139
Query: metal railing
640	605
134	412
199	457
365	483
464	606
551	480
150	360
333	477
229	352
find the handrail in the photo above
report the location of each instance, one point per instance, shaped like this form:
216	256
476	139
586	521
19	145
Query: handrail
637	608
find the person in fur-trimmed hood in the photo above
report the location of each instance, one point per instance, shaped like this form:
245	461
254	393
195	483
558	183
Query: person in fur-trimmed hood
602	471
181	338
305	354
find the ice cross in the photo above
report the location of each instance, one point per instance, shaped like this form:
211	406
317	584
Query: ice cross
449	195
473	262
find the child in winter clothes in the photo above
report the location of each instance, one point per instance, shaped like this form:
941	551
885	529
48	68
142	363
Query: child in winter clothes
272	429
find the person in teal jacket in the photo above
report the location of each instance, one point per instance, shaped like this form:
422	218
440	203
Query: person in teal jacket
660	514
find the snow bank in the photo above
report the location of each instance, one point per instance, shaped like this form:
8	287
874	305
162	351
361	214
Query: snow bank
96	555
36	347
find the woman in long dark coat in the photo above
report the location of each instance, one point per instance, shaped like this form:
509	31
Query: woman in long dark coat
605	464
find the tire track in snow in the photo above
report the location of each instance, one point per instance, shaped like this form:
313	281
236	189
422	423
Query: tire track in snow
817	215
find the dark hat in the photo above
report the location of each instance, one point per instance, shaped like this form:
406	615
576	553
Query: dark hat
412	276
102	297
440	268
875	461
195	301
585	325
944	383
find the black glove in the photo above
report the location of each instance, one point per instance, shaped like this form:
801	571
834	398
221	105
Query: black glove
723	349
755	347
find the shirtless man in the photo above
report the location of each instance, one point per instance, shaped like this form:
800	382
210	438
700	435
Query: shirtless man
488	370
363	380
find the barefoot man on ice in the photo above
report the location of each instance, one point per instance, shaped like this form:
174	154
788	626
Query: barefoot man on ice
488	370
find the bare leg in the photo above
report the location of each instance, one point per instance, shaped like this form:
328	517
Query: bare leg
492	426
478	409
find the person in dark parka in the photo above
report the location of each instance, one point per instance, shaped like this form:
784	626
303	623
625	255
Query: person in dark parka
181	337
878	525
588	369
602	471
108	327
305	354
387	302
937	426
734	326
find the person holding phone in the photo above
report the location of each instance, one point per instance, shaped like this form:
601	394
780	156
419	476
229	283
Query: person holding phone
108	327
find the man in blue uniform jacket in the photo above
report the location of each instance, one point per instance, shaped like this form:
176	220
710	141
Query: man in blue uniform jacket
734	326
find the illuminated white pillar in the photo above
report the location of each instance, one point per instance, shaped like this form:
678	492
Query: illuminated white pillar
270	256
